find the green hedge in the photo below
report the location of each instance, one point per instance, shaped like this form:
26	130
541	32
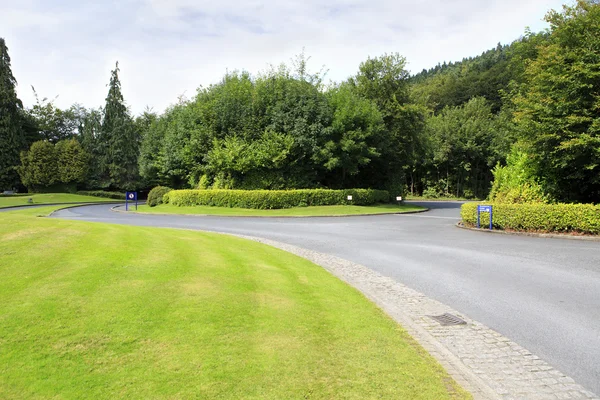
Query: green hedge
275	199
155	197
101	193
583	218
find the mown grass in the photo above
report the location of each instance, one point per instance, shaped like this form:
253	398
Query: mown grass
50	198
286	212
42	211
105	311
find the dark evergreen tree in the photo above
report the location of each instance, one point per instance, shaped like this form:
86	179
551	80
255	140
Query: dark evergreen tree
11	133
120	138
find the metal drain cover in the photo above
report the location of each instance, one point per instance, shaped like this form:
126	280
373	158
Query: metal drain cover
448	319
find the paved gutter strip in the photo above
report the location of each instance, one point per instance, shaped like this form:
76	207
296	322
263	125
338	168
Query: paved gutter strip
482	361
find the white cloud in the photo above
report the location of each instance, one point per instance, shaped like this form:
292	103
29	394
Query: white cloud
168	47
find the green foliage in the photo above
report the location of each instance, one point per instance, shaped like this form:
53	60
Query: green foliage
581	218
352	142
72	162
102	193
155	197
12	140
39	166
53	167
50	123
120	139
275	199
282	130
556	108
463	144
516	182
385	81
204	182
488	75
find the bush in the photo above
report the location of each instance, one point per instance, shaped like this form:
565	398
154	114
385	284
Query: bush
275	199
583	218
102	193
431	193
515	183
155	197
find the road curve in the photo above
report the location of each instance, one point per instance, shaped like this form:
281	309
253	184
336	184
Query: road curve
542	293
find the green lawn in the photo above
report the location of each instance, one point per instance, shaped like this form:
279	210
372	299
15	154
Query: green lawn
49	198
286	212
103	311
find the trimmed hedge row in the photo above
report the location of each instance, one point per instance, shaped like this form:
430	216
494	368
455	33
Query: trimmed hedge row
101	193
155	197
275	199
582	218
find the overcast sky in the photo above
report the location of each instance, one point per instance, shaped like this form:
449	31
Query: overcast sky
167	48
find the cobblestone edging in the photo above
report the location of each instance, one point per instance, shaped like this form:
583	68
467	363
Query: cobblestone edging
482	361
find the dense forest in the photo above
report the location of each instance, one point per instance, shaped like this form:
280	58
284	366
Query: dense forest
520	122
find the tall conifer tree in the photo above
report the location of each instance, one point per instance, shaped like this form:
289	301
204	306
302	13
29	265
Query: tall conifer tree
11	132
120	138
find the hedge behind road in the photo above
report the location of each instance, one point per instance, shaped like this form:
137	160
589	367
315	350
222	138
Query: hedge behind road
583	218
275	199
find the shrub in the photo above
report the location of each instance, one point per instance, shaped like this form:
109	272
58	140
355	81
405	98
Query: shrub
431	193
102	193
155	197
275	199
516	183
204	182
583	218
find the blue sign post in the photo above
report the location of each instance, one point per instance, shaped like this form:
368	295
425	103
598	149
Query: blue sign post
487	209
130	196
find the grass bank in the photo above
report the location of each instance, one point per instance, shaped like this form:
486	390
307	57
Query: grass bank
285	212
50	198
103	311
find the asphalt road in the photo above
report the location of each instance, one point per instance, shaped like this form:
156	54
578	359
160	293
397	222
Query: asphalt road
542	293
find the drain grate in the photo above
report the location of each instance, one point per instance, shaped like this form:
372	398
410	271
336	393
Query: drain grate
448	319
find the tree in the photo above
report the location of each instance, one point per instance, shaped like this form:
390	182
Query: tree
465	143
39	166
120	138
72	162
12	139
385	81
557	108
90	129
356	127
50	122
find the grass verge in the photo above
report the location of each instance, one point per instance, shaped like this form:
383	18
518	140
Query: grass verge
50	198
104	311
314	211
41	211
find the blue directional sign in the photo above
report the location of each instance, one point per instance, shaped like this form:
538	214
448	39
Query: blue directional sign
130	196
484	209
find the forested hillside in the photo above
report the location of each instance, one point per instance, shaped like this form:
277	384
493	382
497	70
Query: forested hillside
446	131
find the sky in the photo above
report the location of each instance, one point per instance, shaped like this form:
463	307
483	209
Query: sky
168	48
